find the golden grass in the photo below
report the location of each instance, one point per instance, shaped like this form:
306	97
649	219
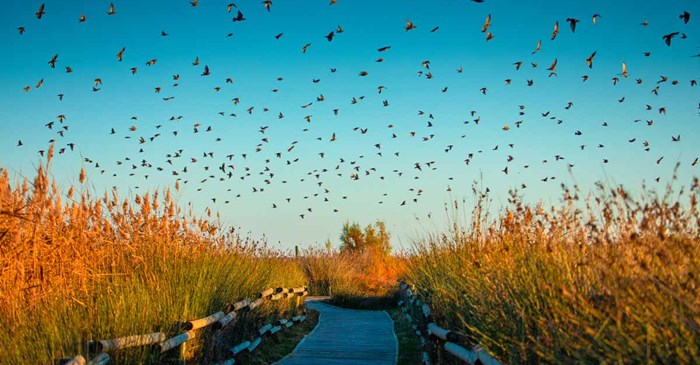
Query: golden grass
353	277
609	278
77	267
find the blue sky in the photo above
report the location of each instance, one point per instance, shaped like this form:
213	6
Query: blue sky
254	60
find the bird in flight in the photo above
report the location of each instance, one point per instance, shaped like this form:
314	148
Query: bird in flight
589	60
120	55
239	17
409	25
556	30
41	12
685	17
111	9
267	4
572	23
538	48
667	38
487	24
52	63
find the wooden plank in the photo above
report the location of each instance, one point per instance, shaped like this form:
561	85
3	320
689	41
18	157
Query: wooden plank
256	303
438	331
227	319
235	350
203	322
461	353
253	345
265	293
176	341
128	341
345	336
278	296
484	356
263	330
240	305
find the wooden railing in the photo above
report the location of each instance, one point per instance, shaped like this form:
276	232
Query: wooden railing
218	321
429	332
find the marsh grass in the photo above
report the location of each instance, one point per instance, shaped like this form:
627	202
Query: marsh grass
601	279
360	280
78	267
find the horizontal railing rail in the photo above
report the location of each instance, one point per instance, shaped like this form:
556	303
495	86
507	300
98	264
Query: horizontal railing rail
421	318
217	321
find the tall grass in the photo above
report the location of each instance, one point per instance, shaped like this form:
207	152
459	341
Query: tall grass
78	267
362	279
608	278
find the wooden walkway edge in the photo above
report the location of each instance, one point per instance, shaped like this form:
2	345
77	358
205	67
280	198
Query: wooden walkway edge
346	337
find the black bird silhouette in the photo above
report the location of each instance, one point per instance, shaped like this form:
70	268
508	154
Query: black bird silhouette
685	17
41	12
667	38
239	17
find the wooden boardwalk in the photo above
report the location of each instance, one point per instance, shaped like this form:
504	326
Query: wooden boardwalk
347	337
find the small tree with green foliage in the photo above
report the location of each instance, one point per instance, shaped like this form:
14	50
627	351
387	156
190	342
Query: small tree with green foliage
373	238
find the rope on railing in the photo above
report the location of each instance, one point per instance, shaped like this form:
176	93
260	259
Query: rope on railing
217	320
421	319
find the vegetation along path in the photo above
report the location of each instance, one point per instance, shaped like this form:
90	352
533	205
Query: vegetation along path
346	336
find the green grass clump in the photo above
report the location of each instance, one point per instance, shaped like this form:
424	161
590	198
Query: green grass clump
95	268
605	279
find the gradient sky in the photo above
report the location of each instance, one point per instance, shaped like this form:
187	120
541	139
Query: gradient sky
254	60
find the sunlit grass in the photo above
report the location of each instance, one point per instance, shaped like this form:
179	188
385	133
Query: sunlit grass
364	279
76	267
608	278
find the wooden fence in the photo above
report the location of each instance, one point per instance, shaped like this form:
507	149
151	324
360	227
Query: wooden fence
431	334
218	321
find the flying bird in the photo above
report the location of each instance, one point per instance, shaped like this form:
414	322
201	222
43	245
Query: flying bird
685	17
120	55
267	4
538	48
667	38
487	24
409	25
589	60
41	12
556	30
52	63
111	9
239	17
572	23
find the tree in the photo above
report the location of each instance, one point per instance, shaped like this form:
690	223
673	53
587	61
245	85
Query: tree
375	237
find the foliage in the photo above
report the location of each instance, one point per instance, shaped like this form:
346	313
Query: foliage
362	273
605	279
97	268
374	238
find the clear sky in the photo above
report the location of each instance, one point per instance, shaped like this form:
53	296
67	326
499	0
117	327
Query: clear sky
416	120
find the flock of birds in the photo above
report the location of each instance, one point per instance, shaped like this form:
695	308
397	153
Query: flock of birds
186	166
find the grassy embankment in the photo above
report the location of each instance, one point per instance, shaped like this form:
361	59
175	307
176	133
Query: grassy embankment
615	281
78	267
